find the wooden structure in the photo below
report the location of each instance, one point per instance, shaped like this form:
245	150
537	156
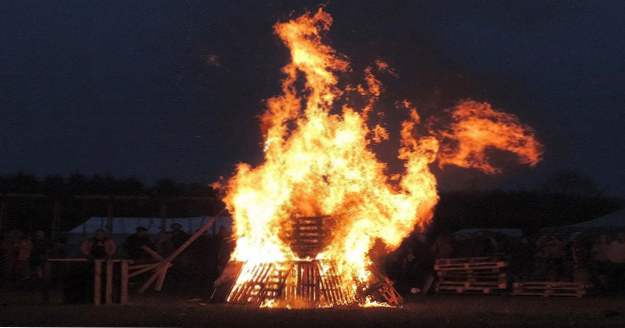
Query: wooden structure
309	236
303	283
104	271
109	276
484	275
550	289
160	268
383	291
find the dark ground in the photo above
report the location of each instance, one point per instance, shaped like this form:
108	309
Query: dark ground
473	311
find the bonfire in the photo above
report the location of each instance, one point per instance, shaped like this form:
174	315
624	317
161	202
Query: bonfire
307	217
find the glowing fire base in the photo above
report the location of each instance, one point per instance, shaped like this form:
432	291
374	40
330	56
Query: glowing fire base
294	284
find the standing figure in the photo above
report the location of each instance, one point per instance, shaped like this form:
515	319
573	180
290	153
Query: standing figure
615	253
135	242
9	248
99	247
22	263
178	236
39	256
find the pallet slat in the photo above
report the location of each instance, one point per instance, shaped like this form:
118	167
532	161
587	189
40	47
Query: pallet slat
549	288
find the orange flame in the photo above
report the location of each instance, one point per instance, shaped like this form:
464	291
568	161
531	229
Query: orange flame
319	162
476	127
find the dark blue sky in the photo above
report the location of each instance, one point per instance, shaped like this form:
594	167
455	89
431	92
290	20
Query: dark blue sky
173	88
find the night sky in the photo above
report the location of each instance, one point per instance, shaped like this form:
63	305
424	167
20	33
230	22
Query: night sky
173	89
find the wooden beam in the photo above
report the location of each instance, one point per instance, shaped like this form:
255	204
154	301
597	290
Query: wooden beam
109	282
191	239
81	259
123	298
149	282
139	266
145	269
152	253
161	278
97	282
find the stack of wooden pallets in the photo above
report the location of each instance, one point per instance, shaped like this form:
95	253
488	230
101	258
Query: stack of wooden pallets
471	275
550	288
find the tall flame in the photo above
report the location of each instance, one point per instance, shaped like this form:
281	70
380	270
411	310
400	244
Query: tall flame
318	160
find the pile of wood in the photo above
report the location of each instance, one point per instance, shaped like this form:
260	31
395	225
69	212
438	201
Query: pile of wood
301	283
383	291
308	235
550	288
471	275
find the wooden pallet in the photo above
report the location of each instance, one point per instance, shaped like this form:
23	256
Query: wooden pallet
549	289
309	283
308	236
500	284
471	264
469	290
471	275
383	291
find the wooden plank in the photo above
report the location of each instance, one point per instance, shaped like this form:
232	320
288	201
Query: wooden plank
123	299
470	266
138	266
97	282
145	269
191	239
81	259
109	282
152	253
161	278
149	282
456	260
469	285
69	260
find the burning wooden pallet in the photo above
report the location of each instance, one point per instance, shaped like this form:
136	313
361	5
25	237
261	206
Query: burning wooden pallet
304	282
483	275
309	235
299	283
384	291
549	289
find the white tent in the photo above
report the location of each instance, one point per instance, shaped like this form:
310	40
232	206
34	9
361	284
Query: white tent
128	225
614	220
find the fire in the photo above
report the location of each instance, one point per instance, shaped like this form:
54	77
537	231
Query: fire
318	162
477	126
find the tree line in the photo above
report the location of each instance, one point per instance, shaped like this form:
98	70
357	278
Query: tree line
565	198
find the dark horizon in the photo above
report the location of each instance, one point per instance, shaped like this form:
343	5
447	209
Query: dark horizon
174	89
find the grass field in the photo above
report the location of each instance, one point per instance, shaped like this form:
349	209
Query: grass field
462	311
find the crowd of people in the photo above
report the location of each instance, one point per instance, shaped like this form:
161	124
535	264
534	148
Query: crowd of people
597	259
23	255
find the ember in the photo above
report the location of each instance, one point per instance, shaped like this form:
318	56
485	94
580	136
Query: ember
307	217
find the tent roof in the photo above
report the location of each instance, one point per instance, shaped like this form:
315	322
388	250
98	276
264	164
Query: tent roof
612	220
128	225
